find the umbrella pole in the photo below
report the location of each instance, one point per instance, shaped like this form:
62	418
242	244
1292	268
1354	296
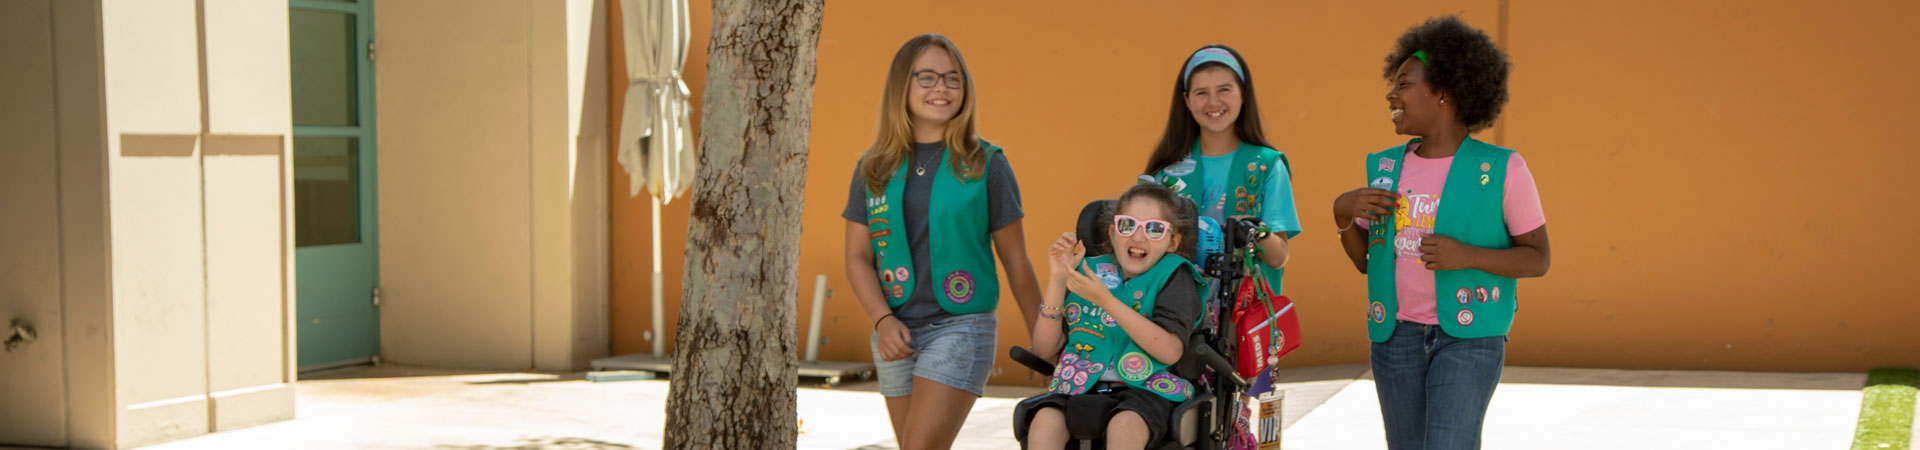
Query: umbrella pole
659	338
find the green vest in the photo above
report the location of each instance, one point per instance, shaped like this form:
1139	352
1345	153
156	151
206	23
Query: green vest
1096	344
1245	181
1471	303
962	259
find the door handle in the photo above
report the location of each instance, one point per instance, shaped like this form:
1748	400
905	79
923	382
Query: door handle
22	333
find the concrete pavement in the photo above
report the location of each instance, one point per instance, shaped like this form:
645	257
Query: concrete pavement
1327	408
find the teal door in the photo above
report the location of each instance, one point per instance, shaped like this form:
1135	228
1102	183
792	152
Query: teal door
336	237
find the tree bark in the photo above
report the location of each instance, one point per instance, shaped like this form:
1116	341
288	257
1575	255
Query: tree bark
734	364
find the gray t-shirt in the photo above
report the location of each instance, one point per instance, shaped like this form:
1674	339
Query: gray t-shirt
1003	207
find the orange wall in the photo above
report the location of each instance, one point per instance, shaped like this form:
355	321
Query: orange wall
1633	117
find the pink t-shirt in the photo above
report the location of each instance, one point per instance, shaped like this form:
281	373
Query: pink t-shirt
1421	182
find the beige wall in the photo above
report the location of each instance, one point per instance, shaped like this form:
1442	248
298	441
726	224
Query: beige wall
198	328
492	221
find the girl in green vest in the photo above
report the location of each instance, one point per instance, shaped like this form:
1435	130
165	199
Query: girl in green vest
927	206
1115	322
1445	226
1215	152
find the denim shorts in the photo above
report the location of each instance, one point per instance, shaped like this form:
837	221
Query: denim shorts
956	351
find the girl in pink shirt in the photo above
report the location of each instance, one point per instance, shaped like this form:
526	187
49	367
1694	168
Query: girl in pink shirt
1448	80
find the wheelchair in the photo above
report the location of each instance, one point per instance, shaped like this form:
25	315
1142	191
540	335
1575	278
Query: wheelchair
1205	420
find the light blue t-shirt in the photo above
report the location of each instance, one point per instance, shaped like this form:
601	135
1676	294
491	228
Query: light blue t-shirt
1276	193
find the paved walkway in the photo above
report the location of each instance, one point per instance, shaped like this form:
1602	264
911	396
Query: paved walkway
1327	408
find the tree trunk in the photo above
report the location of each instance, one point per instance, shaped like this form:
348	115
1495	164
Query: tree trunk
734	366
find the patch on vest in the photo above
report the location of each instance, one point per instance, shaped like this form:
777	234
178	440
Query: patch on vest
1465	317
1480	293
1167	384
1382	183
1183	168
901	274
1377	312
899	291
1386	164
1133	367
959	287
1109	274
1494	295
1464	295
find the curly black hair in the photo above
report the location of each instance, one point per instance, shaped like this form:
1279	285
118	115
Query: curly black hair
1463	62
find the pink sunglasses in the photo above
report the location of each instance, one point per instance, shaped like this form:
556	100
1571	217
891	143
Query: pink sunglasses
1156	229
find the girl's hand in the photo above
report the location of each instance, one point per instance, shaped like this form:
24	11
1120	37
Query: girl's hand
1445	253
895	341
1365	203
1064	254
1087	284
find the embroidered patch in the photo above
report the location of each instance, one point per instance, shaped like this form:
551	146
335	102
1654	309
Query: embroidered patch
1484	179
1073	313
879	234
1480	294
1263	168
899	291
882	244
1107	319
1464	295
886	276
1109	274
1134	367
1486	167
1377	312
1465	317
960	286
1253	167
1137	295
1251	179
1167	384
900	273
1385	183
1183	168
1494	295
1386	164
1239	192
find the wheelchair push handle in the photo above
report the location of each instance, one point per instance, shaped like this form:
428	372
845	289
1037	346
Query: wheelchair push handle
1220	365
1027	358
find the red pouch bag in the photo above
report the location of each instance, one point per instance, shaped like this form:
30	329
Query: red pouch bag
1268	326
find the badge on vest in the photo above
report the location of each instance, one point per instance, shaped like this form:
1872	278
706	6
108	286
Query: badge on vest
1183	168
1386	164
1494	295
1377	312
1465	317
1465	296
1109	274
959	287
1382	183
1480	293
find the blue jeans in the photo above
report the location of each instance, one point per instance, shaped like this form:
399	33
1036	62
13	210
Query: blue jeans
1434	388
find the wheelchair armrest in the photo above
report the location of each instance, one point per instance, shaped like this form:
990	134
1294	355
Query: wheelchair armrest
1219	364
1027	358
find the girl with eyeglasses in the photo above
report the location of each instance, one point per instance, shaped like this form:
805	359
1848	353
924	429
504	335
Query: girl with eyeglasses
1215	152
1117	321
929	205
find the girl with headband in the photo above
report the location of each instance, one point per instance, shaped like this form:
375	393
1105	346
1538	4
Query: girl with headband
929	205
1215	152
1441	275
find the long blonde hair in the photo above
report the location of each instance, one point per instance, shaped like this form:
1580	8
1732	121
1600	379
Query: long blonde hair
895	138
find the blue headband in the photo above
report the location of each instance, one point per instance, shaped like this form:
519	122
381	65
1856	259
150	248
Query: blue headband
1213	54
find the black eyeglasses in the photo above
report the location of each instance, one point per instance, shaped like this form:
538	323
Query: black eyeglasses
927	78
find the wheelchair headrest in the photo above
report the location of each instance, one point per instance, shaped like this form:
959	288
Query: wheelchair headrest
1092	226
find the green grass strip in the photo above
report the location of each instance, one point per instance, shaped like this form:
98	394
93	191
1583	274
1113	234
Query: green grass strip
1886	410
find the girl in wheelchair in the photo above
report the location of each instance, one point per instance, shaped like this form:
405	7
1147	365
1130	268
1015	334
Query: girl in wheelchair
1117	321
